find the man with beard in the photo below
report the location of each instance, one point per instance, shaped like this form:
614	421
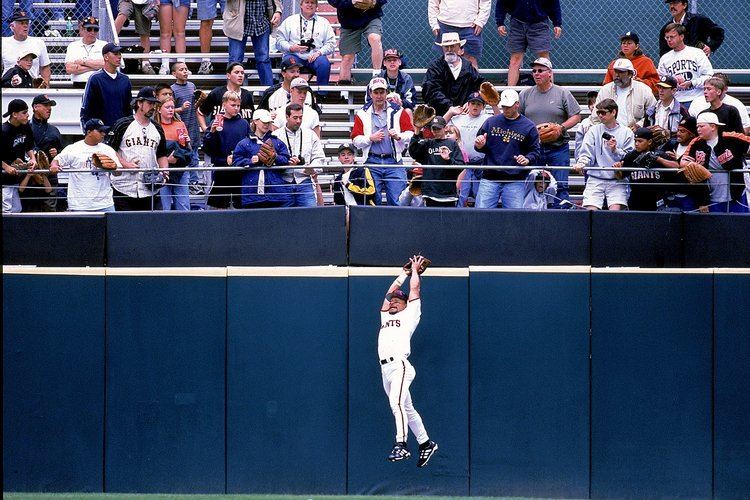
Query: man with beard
633	98
451	79
142	150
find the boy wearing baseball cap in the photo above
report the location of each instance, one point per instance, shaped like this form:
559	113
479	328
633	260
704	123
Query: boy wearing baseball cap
723	154
18	77
400	88
16	143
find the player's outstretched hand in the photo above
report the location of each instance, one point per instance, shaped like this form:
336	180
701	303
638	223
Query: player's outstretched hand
417	262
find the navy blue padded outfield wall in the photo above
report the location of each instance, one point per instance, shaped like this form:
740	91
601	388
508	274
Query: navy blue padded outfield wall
545	382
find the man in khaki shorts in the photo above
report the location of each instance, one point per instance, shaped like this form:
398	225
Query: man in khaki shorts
142	12
358	18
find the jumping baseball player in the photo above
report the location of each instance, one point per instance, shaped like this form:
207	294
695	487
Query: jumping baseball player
397	324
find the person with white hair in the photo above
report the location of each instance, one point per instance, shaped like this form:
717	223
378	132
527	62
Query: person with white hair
633	97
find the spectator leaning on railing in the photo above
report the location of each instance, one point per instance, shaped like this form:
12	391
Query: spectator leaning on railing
382	131
90	190
309	39
142	151
605	144
305	153
507	140
16	143
21	44
84	56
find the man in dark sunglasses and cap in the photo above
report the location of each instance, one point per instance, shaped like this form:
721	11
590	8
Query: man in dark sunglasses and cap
84	56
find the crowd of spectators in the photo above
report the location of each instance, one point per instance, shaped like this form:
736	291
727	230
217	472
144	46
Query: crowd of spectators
656	117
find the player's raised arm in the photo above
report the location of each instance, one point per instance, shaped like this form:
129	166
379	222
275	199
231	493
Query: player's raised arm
394	286
414	283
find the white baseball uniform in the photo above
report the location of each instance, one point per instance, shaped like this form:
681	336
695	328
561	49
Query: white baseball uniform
394	347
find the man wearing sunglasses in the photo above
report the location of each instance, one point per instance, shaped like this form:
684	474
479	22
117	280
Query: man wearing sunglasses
84	56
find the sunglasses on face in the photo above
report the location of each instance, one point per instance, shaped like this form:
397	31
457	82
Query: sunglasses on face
538	70
95	30
602	112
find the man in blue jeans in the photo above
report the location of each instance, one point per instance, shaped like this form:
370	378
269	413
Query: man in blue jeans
254	21
554	108
382	130
507	140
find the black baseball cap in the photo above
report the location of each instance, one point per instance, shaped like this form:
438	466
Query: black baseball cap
631	35
349	146
43	99
644	133
438	122
90	22
146	94
690	123
289	62
15	106
476	96
95	124
111	47
667	82
19	15
398	294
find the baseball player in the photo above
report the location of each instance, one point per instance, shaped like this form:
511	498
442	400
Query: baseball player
397	324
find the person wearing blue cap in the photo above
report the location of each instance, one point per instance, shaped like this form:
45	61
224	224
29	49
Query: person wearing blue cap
91	189
108	91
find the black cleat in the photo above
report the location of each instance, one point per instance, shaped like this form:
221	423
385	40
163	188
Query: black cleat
426	450
399	452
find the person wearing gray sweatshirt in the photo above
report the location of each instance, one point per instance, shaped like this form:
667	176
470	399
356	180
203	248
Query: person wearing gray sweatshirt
603	145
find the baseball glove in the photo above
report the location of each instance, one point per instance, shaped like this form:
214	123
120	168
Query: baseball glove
423	115
199	97
42	162
660	137
267	153
489	94
39	83
103	161
364	4
549	132
425	265
695	172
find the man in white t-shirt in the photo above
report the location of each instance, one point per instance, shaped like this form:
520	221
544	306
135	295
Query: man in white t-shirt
21	44
84	56
299	89
397	324
89	191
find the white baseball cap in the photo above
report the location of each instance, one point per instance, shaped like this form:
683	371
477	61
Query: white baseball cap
263	115
508	98
378	83
542	61
624	65
709	118
299	83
